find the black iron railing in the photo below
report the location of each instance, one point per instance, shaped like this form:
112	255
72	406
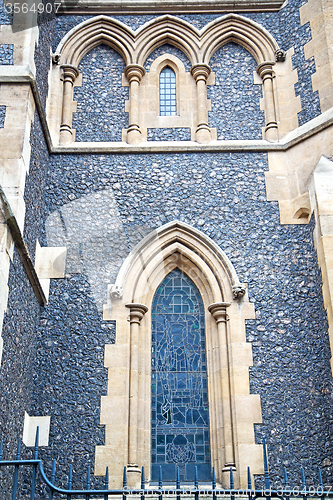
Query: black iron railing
162	491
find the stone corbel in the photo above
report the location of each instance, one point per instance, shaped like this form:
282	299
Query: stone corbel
239	290
134	73
115	292
265	71
70	73
200	73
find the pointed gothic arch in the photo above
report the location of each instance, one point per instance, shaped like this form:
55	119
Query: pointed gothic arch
135	47
125	411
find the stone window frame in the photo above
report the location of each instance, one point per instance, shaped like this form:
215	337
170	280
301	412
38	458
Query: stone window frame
136	46
148	113
125	410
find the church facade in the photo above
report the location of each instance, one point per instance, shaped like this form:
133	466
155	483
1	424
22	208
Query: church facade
166	185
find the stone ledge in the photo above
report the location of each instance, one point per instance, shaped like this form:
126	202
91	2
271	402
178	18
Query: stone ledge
167	6
23	74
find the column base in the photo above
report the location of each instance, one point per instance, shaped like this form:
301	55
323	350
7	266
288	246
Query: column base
134	135
66	135
203	134
133	476
271	132
226	475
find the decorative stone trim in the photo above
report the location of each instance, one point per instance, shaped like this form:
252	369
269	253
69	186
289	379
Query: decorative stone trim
265	71
319	14
178	245
137	311
184	7
201	73
115	292
134	73
70	73
198	45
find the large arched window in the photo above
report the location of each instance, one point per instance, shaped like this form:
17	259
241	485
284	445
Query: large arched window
168	93
178	285
179	390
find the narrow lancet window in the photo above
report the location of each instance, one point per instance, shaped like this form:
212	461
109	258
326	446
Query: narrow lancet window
179	420
168	96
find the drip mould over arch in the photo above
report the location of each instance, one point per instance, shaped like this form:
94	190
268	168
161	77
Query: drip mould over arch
177	244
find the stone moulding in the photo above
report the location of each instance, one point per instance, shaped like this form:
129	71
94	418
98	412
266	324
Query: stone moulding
174	6
135	46
125	411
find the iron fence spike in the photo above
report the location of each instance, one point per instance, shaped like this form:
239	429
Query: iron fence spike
196	481
143	478
106	481
303	476
214	483
125	478
70	477
178	483
160	478
214	479
53	471
231	479
320	477
36	443
18	453
88	478
267	484
285	477
249	482
178	479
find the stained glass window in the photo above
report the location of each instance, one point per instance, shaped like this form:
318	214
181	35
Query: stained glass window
168	96
179	409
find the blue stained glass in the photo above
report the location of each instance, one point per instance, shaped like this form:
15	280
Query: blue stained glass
168	96
179	380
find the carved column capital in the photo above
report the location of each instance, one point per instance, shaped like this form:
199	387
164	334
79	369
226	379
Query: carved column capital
134	72
265	70
137	312
200	72
70	73
219	311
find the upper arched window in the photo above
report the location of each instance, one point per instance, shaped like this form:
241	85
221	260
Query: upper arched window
168	95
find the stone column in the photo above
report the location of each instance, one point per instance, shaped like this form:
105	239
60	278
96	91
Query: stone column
200	73
134	73
70	73
219	313
265	70
137	311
